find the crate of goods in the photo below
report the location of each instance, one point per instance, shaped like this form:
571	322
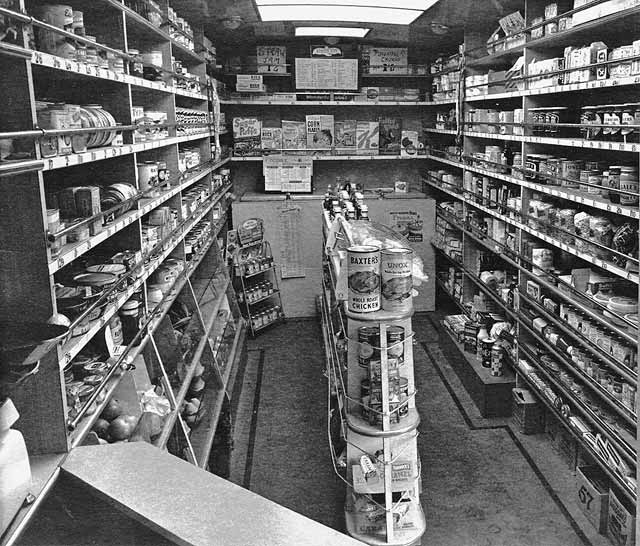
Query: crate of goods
528	412
592	495
621	521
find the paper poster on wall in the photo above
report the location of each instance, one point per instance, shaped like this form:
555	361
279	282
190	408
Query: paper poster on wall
272	59
408	223
327	74
388	60
287	174
291	255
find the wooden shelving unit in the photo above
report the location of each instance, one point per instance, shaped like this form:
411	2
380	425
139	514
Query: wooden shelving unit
460	152
32	267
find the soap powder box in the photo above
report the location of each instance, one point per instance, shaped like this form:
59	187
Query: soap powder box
346	135
320	132
368	137
294	136
390	132
247	133
271	140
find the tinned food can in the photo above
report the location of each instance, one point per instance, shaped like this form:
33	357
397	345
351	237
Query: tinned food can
363	278
397	280
395	344
369	345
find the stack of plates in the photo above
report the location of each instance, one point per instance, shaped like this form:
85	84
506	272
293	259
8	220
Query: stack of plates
118	193
94	115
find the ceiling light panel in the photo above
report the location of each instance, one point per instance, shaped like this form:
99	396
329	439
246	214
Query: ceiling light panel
348	32
400	4
350	14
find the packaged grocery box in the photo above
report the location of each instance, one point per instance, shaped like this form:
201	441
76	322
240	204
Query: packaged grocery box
345	141
247	134
592	495
368	137
390	134
320	132
271	138
294	136
621	522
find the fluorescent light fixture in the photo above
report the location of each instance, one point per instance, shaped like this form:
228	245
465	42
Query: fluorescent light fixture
348	32
317	10
400	4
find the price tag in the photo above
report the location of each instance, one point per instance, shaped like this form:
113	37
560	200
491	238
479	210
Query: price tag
66	358
60	263
37	58
56	63
80	159
67	65
94	156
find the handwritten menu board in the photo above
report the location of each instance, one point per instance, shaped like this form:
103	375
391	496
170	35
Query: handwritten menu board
291	255
388	60
287	174
327	74
272	59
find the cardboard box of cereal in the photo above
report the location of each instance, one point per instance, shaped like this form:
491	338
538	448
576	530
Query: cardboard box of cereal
345	141
320	132
368	137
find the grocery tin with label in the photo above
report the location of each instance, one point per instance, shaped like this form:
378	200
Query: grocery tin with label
363	272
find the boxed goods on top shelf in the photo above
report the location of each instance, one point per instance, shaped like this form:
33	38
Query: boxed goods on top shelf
323	134
445	63
508	35
149	9
500	81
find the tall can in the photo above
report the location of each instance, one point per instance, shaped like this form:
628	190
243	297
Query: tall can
363	278
397	280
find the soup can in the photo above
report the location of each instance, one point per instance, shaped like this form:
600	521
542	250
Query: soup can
486	346
397	281
147	175
363	278
497	360
369	345
403	387
395	344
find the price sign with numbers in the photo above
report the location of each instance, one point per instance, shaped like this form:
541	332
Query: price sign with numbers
272	59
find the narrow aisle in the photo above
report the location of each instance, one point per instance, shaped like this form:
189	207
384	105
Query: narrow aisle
480	485
281	449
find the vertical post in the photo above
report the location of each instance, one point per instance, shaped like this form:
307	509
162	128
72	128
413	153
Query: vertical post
386	426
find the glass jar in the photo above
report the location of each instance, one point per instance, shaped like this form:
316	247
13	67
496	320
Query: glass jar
629	182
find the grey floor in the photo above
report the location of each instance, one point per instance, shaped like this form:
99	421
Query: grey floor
484	483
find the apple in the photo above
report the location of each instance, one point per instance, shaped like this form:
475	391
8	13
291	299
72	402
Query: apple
122	427
101	428
112	410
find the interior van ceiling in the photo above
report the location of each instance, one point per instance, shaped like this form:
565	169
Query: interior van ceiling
218	15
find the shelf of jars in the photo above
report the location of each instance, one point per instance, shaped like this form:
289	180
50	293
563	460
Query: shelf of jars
567	142
615	435
596	320
606	265
85	69
535	325
70	251
138	275
556	396
551	185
